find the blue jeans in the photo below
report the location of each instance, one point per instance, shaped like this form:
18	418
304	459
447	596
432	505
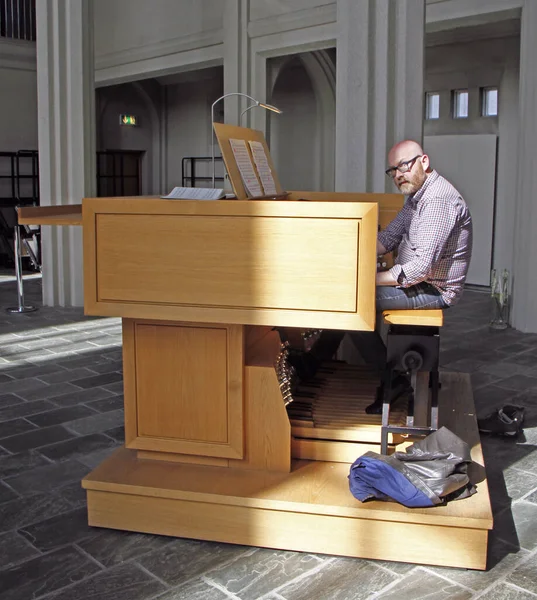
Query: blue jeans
369	343
422	295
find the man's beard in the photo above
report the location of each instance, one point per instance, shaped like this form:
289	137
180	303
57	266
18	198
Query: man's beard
408	187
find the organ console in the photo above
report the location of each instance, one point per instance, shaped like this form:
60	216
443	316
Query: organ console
222	441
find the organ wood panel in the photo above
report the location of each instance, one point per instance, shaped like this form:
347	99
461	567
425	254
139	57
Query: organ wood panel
257	263
184	388
182	382
237	262
324	533
388	204
267	430
331	450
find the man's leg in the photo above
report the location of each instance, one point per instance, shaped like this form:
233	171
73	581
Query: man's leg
327	344
369	343
307	363
422	296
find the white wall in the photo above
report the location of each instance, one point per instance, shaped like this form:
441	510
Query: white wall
262	9
188	120
469	163
294	140
448	14
122	25
508	123
473	65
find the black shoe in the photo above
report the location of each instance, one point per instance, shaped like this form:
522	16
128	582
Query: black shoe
305	364
400	386
505	421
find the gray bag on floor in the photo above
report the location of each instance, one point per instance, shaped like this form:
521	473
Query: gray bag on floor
430	472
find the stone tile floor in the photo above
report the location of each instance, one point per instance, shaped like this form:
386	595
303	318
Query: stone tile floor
61	414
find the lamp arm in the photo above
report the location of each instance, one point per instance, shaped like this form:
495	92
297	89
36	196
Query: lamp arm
212	121
255	103
246	110
232	94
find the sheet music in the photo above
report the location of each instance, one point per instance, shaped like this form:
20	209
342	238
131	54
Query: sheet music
263	168
246	168
190	193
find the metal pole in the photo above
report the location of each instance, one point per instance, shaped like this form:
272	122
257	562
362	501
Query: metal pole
212	146
18	274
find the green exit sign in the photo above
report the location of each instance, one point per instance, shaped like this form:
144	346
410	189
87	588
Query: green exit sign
130	120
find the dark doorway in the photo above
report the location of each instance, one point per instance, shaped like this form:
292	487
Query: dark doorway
119	173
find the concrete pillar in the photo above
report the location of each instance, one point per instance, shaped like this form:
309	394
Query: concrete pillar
66	128
524	305
379	93
236	55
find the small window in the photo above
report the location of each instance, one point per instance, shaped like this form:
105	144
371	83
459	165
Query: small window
460	104
489	102
432	105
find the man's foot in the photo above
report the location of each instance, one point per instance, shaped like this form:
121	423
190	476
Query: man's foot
305	364
400	386
504	421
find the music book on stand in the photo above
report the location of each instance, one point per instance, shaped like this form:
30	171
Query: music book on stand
248	163
190	193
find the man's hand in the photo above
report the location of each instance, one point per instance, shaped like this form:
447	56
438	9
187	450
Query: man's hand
381	250
385	278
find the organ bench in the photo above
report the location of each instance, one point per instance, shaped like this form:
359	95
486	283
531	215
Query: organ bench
413	347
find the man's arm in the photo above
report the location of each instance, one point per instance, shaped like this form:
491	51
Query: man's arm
385	278
436	222
389	238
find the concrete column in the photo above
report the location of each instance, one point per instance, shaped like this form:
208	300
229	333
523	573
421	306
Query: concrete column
66	128
524	304
236	55
379	92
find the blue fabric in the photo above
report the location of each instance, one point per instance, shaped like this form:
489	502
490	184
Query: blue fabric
371	478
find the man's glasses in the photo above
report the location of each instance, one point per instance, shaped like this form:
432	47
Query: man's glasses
402	167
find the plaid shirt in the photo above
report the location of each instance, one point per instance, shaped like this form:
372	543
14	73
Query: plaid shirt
433	233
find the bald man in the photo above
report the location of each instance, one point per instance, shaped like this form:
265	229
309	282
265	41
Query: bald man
433	237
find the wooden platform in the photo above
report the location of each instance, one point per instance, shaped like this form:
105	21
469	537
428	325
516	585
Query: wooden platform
310	509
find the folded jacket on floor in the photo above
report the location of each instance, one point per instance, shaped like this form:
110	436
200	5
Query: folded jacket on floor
429	473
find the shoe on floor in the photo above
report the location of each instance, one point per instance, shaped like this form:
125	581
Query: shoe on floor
505	421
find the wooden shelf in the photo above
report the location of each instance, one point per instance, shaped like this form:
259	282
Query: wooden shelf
69	214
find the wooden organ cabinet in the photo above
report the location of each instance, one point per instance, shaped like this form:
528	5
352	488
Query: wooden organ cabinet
210	449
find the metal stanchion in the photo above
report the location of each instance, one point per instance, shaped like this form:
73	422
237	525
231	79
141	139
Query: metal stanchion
18	274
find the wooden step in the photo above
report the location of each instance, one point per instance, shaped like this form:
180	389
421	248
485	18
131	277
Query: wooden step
309	509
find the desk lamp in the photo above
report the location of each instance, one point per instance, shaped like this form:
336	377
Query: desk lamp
255	103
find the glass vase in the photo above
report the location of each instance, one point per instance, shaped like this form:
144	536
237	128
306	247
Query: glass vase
499	313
